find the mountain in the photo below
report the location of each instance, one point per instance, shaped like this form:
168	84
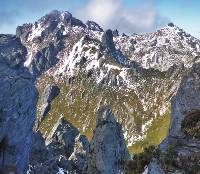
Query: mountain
180	151
58	72
136	75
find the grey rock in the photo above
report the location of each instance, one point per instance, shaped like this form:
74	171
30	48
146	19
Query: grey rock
91	25
44	59
154	167
107	40
45	109
64	149
154	42
52	166
39	153
171	24
184	149
50	93
23	31
186	100
79	155
115	33
12	52
108	150
18	100
62	138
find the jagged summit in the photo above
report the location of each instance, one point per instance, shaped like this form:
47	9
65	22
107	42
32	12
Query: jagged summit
171	24
77	68
93	26
138	74
63	17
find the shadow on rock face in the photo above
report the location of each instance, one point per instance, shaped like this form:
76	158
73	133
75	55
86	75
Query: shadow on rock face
64	149
18	98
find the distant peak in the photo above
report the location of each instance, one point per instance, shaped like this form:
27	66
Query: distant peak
93	26
57	15
170	24
66	15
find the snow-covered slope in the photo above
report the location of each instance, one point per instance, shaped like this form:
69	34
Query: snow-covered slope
161	49
136	75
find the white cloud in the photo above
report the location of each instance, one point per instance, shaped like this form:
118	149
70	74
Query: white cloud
100	10
115	14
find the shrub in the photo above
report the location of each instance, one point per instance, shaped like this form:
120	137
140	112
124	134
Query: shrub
139	161
191	124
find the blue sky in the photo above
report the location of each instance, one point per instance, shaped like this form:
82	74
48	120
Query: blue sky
129	16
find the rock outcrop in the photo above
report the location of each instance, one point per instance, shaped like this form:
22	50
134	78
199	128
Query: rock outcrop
50	93
180	151
79	155
18	99
154	167
64	149
91	25
62	138
107	151
107	40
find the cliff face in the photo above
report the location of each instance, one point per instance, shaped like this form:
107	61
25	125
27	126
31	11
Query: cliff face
18	99
67	151
64	150
180	151
107	152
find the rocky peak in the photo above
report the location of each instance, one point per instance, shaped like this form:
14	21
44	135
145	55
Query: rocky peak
171	24
52	16
105	116
107	40
52	23
62	138
115	33
59	17
91	25
107	151
161	49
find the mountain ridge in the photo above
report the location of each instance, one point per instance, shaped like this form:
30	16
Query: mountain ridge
77	68
66	48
